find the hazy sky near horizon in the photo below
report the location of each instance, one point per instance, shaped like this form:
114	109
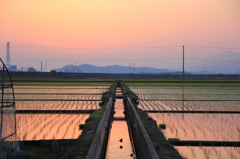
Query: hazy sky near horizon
58	30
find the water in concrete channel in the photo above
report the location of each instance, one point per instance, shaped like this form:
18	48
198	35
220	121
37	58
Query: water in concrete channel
119	143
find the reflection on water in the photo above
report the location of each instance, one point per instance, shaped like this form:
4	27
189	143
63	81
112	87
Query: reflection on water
119	131
191	105
209	152
57	105
60	89
49	126
119	135
218	127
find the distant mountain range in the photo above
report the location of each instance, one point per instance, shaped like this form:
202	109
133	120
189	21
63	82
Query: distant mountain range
225	62
86	68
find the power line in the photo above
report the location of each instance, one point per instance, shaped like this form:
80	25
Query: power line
117	48
213	47
126	60
211	60
97	60
94	48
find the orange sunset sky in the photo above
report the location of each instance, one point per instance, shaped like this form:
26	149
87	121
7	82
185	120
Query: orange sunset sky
58	30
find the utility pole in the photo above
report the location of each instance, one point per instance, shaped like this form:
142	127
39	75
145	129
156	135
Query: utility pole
45	65
8	60
41	65
129	67
75	68
183	64
133	67
183	85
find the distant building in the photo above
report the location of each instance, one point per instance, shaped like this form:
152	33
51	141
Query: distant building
31	69
13	68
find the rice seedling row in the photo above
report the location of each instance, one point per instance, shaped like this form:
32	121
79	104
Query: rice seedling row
218	127
49	126
192	93
59	89
59	97
209	152
212	127
215	127
191	105
57	105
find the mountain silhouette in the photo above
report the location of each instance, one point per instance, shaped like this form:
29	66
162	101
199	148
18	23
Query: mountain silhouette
86	68
227	62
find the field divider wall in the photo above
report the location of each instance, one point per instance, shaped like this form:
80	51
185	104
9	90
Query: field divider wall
142	141
190	100
99	142
193	111
57	99
205	143
55	111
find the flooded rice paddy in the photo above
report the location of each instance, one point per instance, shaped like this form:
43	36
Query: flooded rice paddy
49	126
60	89
191	105
57	105
88	97
211	127
190	93
59	96
209	152
217	127
54	126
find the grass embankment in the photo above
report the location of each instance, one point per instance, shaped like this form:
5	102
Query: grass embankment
164	149
109	93
130	93
77	149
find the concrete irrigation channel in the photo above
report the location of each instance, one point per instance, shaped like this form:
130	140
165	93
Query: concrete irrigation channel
104	146
121	132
